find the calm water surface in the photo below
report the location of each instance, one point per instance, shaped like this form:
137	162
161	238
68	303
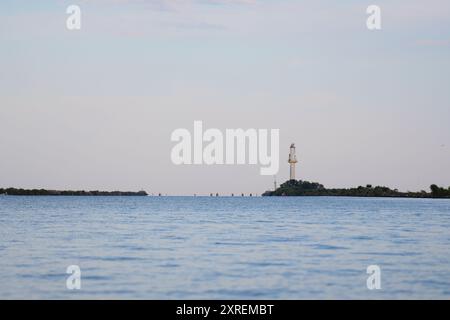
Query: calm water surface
224	248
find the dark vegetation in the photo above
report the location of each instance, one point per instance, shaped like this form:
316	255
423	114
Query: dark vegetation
306	188
43	192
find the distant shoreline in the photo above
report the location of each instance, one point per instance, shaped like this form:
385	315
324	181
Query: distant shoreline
291	188
44	192
294	188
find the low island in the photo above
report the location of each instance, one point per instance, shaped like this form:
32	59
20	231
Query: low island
44	192
306	188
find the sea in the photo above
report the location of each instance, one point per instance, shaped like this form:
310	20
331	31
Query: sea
224	248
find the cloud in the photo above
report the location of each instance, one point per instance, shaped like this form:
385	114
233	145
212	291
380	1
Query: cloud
175	5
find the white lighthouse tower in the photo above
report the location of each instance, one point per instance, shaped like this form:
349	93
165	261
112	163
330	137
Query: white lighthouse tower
292	161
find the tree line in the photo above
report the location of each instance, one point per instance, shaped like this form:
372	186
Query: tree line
306	188
44	192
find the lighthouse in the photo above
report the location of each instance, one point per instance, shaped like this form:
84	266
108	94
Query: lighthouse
292	161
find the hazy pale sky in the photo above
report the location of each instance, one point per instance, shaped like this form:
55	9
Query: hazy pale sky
95	108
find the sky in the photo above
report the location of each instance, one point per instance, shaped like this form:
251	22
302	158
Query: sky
94	108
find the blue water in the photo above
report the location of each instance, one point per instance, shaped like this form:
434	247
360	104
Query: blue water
224	248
